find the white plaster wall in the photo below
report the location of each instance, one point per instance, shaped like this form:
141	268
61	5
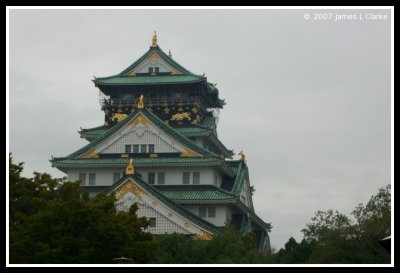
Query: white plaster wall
222	213
173	176
104	177
162	143
144	66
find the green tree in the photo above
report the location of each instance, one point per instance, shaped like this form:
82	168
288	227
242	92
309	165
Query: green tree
295	253
53	221
340	240
229	247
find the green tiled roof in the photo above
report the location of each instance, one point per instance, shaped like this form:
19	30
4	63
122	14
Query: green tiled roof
159	123
239	181
203	129
221	147
163	56
93	133
193	131
149	80
241	172
195	193
174	206
184	77
139	162
253	215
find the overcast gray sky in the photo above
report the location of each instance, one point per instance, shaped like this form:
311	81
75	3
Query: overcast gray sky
307	100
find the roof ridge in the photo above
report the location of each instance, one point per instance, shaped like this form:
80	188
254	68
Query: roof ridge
162	55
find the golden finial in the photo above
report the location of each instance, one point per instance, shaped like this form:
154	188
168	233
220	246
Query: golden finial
170	54
242	157
140	104
154	41
130	169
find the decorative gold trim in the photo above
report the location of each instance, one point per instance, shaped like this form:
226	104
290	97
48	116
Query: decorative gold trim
153	155
195	109
175	72
188	153
106	123
181	116
242	157
186	225
132	74
90	154
119	116
169	214
130	170
154	40
140	104
203	235
140	119
129	187
124	155
154	203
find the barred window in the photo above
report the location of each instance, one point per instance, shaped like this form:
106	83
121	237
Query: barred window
161	178
203	212
211	212
152	222
186	178
127	149
135	149
151	178
82	178
150	70
196	177
143	148
157	69
151	148
92	179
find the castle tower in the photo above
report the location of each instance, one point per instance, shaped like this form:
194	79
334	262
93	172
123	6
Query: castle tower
159	148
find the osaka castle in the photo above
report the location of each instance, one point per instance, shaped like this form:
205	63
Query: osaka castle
159	148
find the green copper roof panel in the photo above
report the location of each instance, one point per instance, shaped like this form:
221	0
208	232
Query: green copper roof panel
148	80
139	162
202	129
96	130
194	192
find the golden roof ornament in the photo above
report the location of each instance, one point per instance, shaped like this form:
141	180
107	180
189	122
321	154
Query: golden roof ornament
140	104
242	157
154	41
130	170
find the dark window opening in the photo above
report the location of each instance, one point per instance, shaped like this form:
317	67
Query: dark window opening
151	178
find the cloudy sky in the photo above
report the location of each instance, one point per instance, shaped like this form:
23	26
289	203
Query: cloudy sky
307	100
